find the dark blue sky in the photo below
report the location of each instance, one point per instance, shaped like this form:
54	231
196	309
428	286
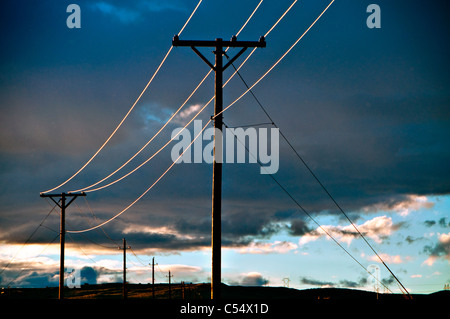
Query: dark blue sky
368	109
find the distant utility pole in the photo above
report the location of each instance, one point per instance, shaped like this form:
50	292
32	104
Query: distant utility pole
124	267
153	277
62	232
182	290
170	285
218	67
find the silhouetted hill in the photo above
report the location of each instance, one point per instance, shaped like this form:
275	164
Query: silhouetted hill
202	292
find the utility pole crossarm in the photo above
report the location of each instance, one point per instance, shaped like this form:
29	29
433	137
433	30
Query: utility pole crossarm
73	195
66	194
176	42
219	44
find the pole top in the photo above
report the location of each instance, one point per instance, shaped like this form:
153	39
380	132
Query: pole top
234	43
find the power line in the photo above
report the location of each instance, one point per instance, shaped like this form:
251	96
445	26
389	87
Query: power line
29	238
249	89
81	249
192	141
190	17
265	36
304	210
43	250
281	18
91	240
139	259
319	182
312	173
89	188
248	20
278	61
96	218
151	157
129	111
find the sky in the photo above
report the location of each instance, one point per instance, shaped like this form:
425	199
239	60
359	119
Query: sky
366	108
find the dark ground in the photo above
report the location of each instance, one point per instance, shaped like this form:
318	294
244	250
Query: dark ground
202	292
106	301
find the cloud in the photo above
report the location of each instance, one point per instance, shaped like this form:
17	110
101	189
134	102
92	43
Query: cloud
182	271
277	247
377	228
390	259
353	284
135	12
254	279
124	15
429	223
410	239
381	142
314	282
38	279
162	231
191	109
43	272
89	275
413	203
442	222
361	282
404	206
440	250
163	5
298	227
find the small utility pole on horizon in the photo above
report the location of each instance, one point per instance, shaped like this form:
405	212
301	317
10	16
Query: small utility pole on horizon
153	277
218	67
124	267
170	285
62	232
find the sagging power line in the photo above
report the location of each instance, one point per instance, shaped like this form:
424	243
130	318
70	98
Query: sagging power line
306	212
266	34
249	89
220	113
146	191
90	187
219	68
62	233
129	111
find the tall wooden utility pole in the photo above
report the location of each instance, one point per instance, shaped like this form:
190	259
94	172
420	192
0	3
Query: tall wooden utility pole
216	233
62	232
124	267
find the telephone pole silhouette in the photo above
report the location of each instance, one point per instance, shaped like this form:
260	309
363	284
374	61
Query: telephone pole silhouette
124	267
62	232
170	285
218	67
153	277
